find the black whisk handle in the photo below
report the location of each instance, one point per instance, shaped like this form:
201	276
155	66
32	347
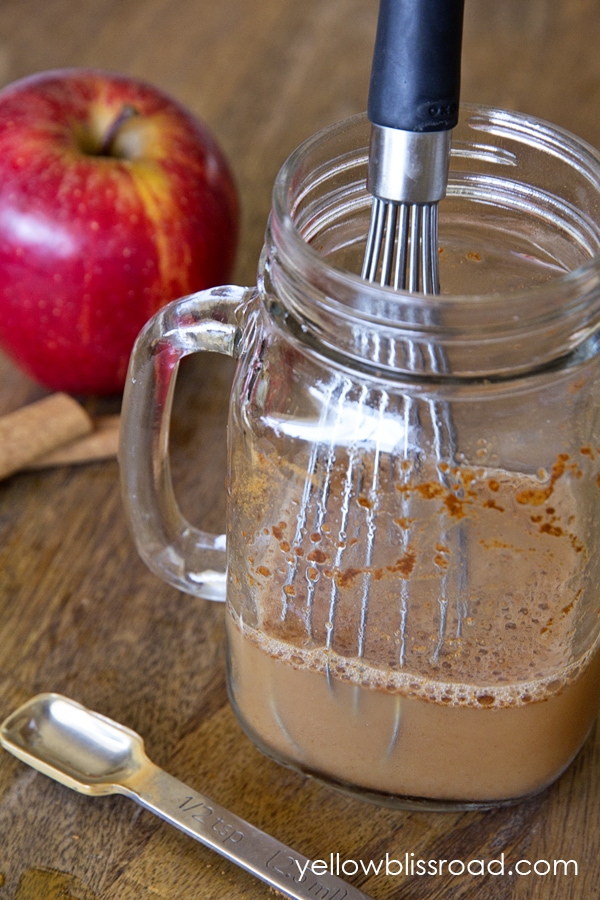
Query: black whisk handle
415	78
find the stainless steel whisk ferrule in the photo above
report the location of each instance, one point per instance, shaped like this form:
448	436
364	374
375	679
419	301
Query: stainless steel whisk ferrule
408	166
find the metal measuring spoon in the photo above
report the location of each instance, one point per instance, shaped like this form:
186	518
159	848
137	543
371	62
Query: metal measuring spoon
95	755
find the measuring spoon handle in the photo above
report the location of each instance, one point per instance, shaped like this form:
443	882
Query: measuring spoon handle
235	839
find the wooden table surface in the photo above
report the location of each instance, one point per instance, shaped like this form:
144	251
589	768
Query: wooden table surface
79	612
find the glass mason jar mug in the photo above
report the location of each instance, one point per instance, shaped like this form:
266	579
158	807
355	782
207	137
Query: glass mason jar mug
413	540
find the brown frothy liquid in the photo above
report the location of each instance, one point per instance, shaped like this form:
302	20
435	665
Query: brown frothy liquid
449	659
393	742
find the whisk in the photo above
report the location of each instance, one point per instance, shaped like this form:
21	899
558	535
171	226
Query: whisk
413	107
357	471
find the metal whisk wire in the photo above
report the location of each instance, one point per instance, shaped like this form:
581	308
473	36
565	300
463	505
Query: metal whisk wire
402	246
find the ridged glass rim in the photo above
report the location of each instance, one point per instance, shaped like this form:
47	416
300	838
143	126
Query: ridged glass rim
529	129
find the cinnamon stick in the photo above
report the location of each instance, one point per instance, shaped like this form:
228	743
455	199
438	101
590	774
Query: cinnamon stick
101	443
39	427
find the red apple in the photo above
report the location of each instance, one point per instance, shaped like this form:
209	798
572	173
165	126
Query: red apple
114	200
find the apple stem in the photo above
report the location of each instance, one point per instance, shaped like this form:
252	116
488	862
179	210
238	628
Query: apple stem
127	112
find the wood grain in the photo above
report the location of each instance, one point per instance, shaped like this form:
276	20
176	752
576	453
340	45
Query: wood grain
79	612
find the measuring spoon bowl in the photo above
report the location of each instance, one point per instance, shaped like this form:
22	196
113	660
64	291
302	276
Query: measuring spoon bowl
82	749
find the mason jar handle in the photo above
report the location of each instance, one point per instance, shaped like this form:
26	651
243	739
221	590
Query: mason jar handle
185	557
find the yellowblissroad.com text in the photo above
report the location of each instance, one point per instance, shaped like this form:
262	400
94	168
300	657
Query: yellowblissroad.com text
409	864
